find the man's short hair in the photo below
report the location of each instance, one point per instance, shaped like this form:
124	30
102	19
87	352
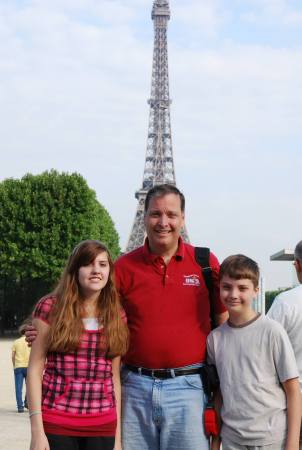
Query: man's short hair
24	325
298	251
239	267
160	190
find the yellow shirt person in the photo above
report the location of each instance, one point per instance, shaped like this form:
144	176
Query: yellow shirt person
20	358
20	353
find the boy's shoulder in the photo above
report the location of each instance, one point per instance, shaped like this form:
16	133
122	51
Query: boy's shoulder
262	322
270	329
267	325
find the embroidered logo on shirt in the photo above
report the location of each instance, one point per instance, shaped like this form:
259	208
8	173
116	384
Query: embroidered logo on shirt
191	280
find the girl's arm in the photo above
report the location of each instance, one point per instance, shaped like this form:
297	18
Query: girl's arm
293	397
116	367
34	386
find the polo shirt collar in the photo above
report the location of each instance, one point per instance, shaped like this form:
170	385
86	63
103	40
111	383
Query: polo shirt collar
150	258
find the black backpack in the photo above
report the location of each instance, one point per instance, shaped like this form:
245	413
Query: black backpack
202	257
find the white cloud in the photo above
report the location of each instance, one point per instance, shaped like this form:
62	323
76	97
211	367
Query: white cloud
258	87
206	16
274	12
75	76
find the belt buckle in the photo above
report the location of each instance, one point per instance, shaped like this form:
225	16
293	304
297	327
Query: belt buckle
161	373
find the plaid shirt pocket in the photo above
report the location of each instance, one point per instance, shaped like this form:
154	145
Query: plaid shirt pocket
83	396
53	388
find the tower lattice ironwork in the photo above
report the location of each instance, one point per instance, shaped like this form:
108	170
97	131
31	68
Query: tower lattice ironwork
159	165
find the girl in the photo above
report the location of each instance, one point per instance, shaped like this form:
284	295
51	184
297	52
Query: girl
81	336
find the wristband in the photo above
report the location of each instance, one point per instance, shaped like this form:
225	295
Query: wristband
34	413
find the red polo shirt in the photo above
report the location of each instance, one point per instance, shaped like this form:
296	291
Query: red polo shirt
167	307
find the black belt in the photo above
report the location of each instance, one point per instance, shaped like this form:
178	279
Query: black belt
162	373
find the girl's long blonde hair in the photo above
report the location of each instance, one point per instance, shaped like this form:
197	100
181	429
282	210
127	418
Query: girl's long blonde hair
66	325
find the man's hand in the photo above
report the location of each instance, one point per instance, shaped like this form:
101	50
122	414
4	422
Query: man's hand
30	334
215	443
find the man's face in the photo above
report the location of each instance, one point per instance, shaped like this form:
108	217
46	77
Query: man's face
298	267
163	221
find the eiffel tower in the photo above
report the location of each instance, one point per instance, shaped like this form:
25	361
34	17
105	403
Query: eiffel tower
159	166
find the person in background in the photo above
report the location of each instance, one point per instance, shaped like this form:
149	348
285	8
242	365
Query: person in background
20	358
259	379
287	310
74	369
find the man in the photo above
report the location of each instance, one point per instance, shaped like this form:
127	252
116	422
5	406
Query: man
167	306
287	309
20	358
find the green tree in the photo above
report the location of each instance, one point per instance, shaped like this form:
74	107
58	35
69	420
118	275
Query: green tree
270	297
42	217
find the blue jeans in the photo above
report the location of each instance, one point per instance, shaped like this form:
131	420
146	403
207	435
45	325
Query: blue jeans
20	376
162	414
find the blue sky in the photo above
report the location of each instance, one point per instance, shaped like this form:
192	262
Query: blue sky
75	76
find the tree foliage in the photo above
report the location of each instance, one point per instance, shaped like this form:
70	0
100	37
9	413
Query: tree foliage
42	217
270	297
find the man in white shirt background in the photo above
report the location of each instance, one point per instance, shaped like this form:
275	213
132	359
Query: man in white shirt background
287	310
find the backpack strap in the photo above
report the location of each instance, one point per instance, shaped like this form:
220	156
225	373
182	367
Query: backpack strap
202	257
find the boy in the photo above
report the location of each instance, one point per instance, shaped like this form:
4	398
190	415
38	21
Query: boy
256	366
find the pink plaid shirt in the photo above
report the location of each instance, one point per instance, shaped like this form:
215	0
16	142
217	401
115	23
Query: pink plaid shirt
77	383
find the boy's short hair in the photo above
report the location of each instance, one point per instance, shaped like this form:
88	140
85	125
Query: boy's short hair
239	267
